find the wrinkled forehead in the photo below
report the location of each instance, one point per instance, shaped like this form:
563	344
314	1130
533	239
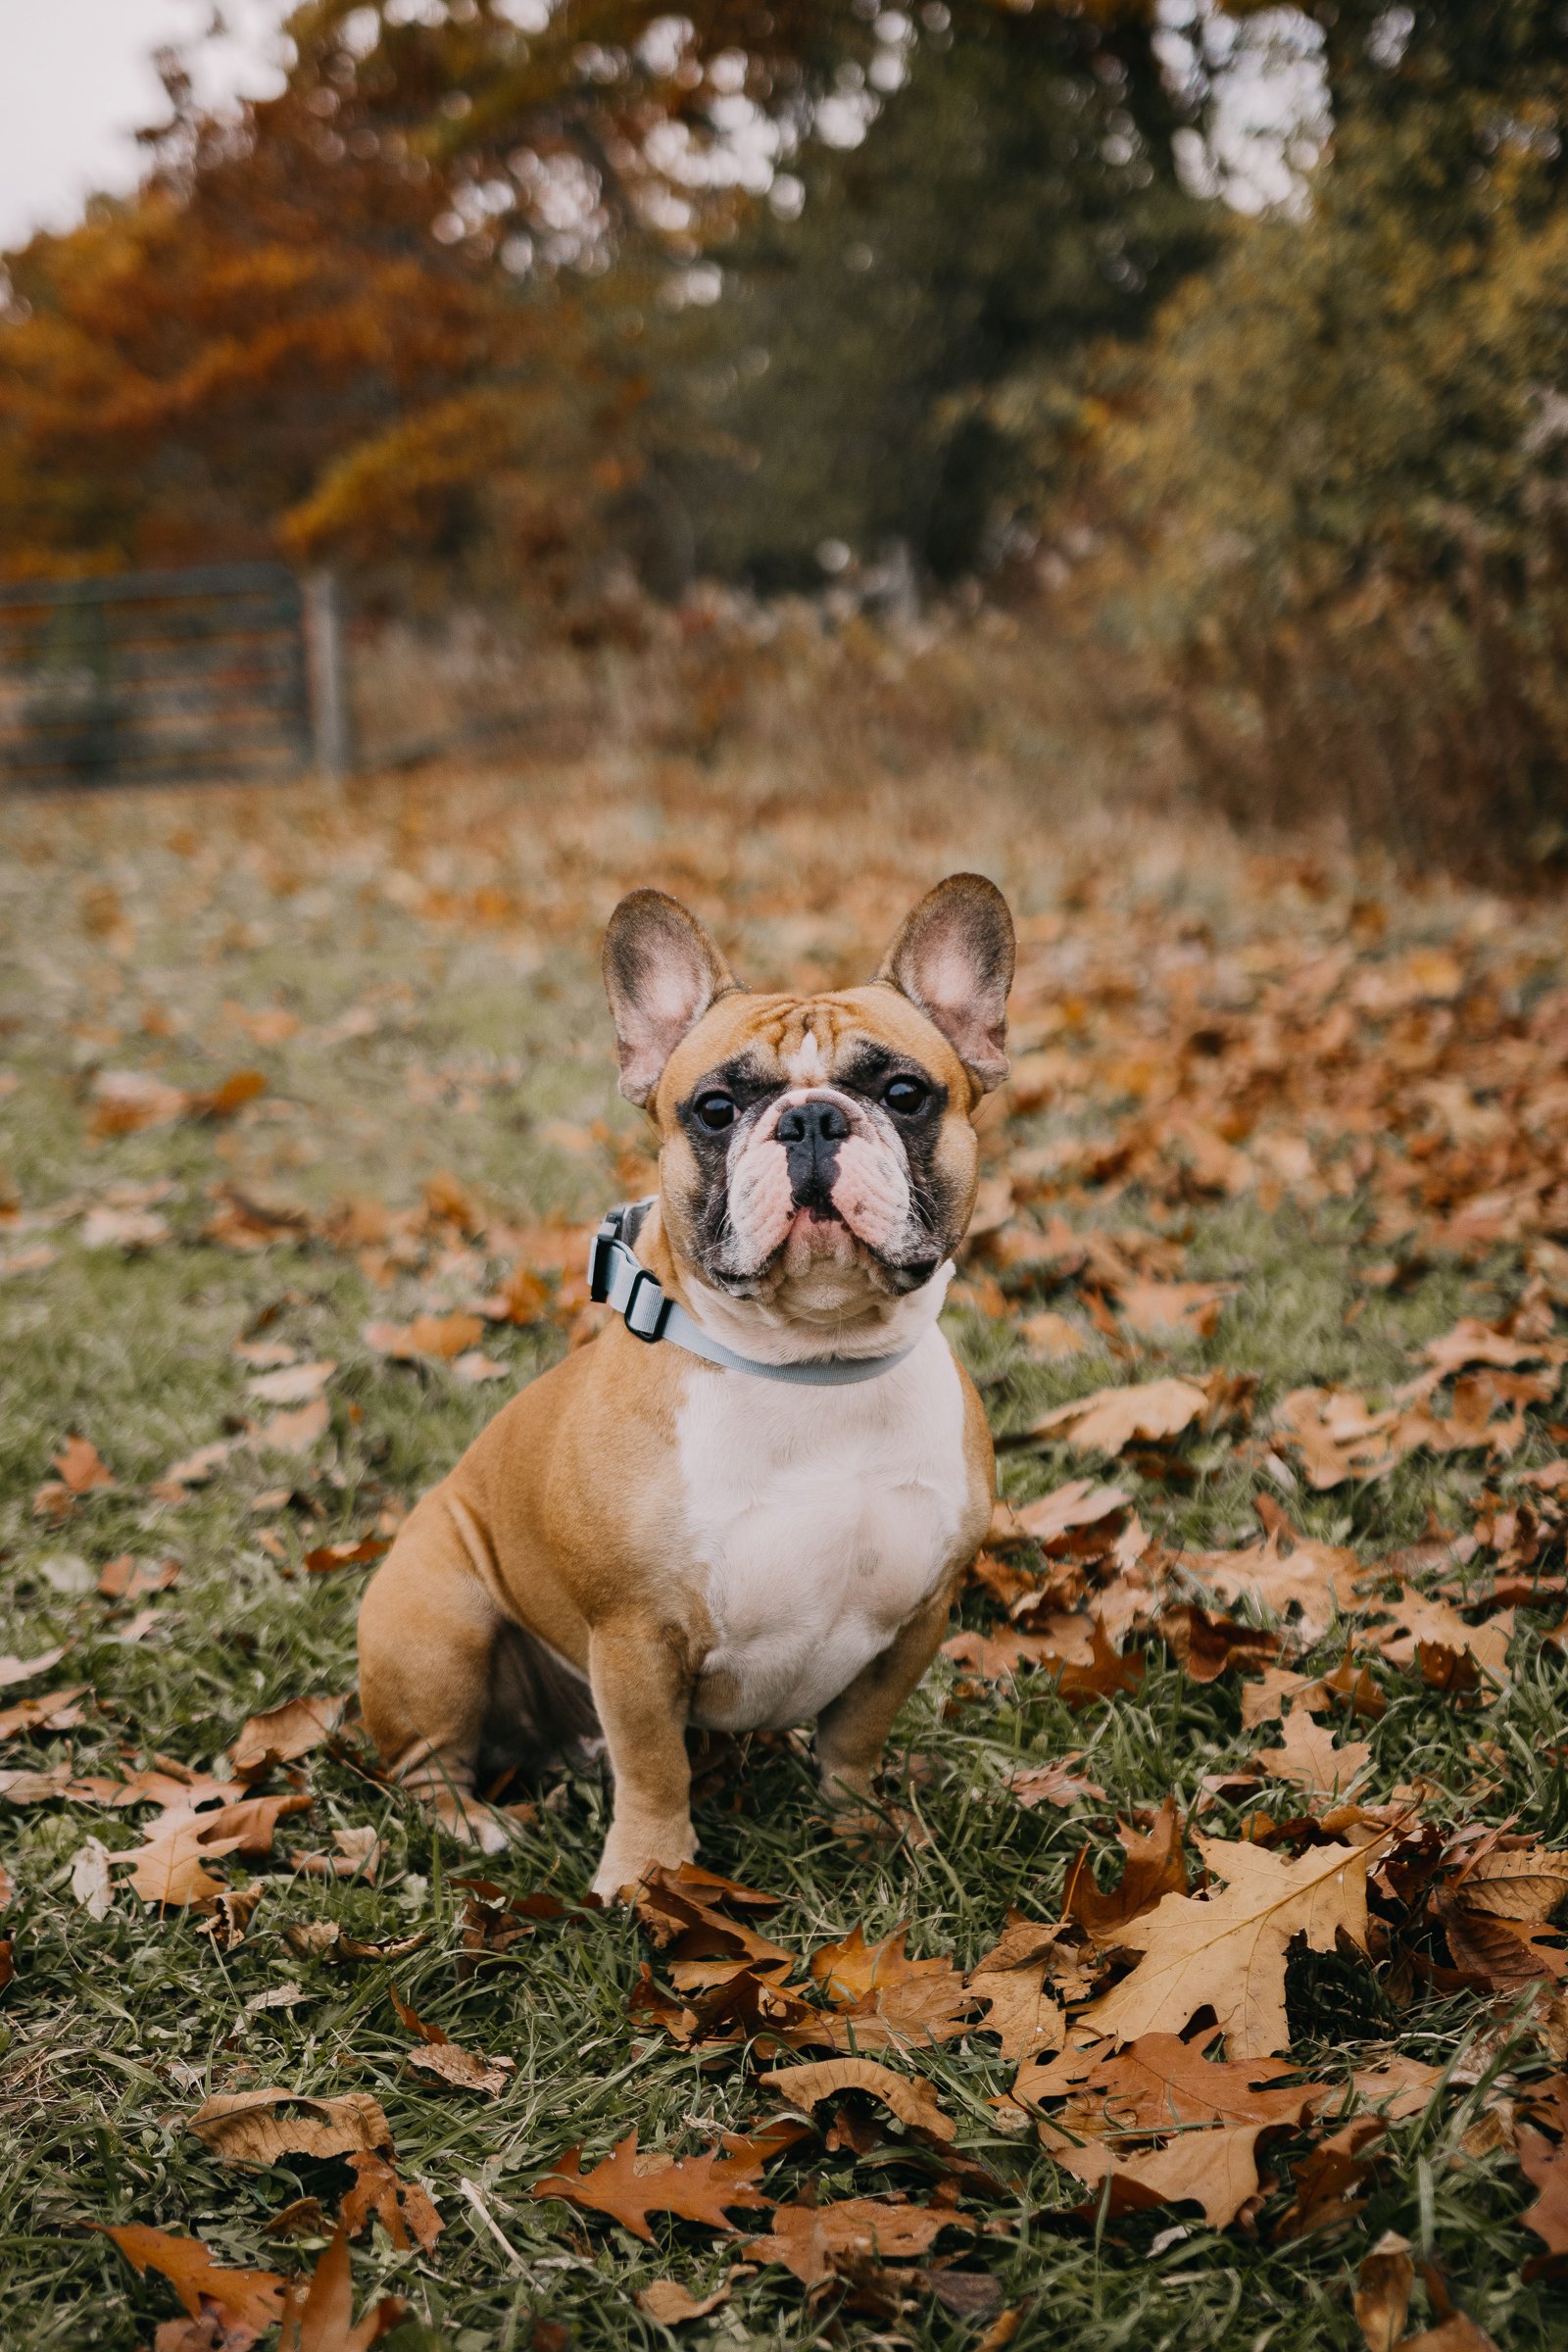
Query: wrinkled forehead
811	1041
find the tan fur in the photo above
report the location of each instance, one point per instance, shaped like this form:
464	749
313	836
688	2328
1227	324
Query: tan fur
541	1589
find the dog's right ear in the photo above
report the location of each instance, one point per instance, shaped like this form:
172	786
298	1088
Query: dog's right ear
661	973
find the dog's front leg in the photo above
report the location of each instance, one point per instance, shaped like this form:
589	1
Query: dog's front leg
641	1686
852	1732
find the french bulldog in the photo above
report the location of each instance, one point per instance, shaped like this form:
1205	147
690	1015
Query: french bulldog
769	1533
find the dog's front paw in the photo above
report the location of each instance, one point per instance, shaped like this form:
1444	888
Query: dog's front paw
468	1823
630	1855
845	1787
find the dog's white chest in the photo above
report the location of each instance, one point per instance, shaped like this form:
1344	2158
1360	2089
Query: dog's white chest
819	1520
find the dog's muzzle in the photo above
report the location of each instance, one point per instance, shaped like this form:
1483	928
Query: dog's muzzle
810	1133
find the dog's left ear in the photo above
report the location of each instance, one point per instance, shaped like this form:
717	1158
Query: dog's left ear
661	973
953	958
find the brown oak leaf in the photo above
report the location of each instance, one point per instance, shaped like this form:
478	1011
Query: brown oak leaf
260	2126
913	2100
1226	1950
629	2187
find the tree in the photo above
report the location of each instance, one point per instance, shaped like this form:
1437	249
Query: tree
1015	200
408	309
1338	475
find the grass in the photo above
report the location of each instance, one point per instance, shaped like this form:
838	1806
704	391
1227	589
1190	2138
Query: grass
461	923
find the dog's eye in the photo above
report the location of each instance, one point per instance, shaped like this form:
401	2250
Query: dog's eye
906	1096
716	1112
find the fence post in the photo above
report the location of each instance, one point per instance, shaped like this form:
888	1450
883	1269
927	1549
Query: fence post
330	729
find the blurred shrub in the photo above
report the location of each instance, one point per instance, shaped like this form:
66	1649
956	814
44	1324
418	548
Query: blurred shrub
1336	483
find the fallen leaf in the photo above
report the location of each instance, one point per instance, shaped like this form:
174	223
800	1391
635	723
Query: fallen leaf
171	1867
1103	1673
130	1100
1434	1636
262	2127
321	2321
629	2187
436	2054
1216	2169
1206	1646
1309	1756
847	1972
1078	1504
126	1578
358	1853
1458	2333
83	1471
222	1101
1051	1335
291	1384
402	2207
1032	1784
914	2101
1545	2166
1011	1979
327	1556
1154	1868
1382	2285
285	1731
1327	2180
1226	1950
807	2238
1110	1419
295	1431
325	1940
672	2305
22	1670
51	1711
252	2299
90	1883
107	1228
277	1996
193	1471
438	1338
1162	1309
1284	1572
1494	1915
1524	1882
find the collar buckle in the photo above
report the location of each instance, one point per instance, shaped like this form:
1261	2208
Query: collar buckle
602	1256
646	1321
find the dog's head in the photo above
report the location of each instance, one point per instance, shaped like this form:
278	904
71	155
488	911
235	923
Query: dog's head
817	1149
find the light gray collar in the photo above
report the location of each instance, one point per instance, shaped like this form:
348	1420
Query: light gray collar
618	1279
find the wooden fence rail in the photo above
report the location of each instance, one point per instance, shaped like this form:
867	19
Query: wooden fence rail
171	677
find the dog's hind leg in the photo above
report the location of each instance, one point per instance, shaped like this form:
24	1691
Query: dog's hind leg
428	1629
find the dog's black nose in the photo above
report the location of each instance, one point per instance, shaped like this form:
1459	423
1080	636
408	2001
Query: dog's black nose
811	1123
811	1134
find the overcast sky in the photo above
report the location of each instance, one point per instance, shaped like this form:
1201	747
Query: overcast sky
77	79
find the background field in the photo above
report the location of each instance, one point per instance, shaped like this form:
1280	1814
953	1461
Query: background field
1272	1073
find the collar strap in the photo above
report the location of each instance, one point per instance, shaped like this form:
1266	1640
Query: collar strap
618	1278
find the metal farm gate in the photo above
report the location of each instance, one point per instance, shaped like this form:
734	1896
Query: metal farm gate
166	677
